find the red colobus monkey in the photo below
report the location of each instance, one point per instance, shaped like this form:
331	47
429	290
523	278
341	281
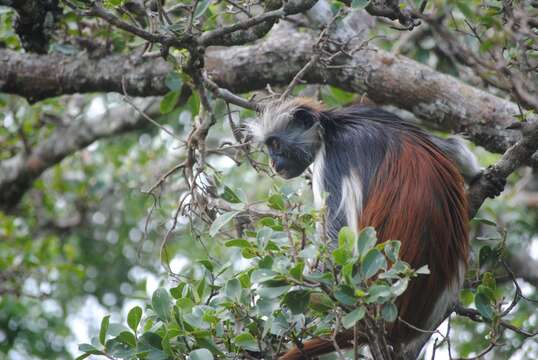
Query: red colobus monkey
381	171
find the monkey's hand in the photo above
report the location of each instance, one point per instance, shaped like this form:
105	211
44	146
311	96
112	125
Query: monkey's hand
494	185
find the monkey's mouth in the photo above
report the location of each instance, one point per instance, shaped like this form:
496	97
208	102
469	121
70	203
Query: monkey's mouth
281	172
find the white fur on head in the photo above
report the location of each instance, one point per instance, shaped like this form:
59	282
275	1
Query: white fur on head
277	115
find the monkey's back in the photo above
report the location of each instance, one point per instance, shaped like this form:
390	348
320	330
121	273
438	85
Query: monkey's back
418	198
414	193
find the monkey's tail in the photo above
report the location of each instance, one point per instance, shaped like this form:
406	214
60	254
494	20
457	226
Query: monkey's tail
318	346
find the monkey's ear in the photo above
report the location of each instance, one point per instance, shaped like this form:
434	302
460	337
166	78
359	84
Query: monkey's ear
304	118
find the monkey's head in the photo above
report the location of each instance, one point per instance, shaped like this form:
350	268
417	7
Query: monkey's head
291	131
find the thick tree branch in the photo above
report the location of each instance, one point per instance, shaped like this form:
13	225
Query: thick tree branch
38	77
441	100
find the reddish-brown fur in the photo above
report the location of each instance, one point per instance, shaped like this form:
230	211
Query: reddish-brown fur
417	198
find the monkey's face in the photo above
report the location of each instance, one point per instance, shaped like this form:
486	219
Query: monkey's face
292	135
288	159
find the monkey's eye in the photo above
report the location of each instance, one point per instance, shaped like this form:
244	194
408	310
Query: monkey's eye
274	144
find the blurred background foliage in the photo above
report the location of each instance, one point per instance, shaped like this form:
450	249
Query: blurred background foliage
80	246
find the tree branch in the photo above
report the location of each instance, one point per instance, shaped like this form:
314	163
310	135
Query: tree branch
513	158
38	77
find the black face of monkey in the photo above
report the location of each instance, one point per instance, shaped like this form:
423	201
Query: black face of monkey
294	148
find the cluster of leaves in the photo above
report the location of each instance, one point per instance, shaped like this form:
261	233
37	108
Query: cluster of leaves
292	285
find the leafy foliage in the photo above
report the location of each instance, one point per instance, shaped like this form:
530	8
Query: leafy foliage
284	291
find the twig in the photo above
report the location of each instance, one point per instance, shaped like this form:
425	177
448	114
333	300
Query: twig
209	37
129	101
318	46
513	158
166	40
230	97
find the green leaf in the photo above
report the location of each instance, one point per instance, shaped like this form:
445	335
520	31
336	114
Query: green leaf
201	8
325	278
345	295
346	238
341	256
309	252
104	328
229	195
246	341
121	349
399	287
484	221
392	250
297	301
177	291
232	289
263	236
127	338
466	297
220	221
266	306
261	275
297	270
241	243
351	318
367	240
133	318
489	280
486	254
423	270
276	201
321	302
114	329
89	349
173	81
271	223
161	303
465	9
114	3
377	292
206	263
359	4
266	263
389	312
248	253
150	340
483	306
200	354
486	291
169	101
201	287
373	262
272	292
